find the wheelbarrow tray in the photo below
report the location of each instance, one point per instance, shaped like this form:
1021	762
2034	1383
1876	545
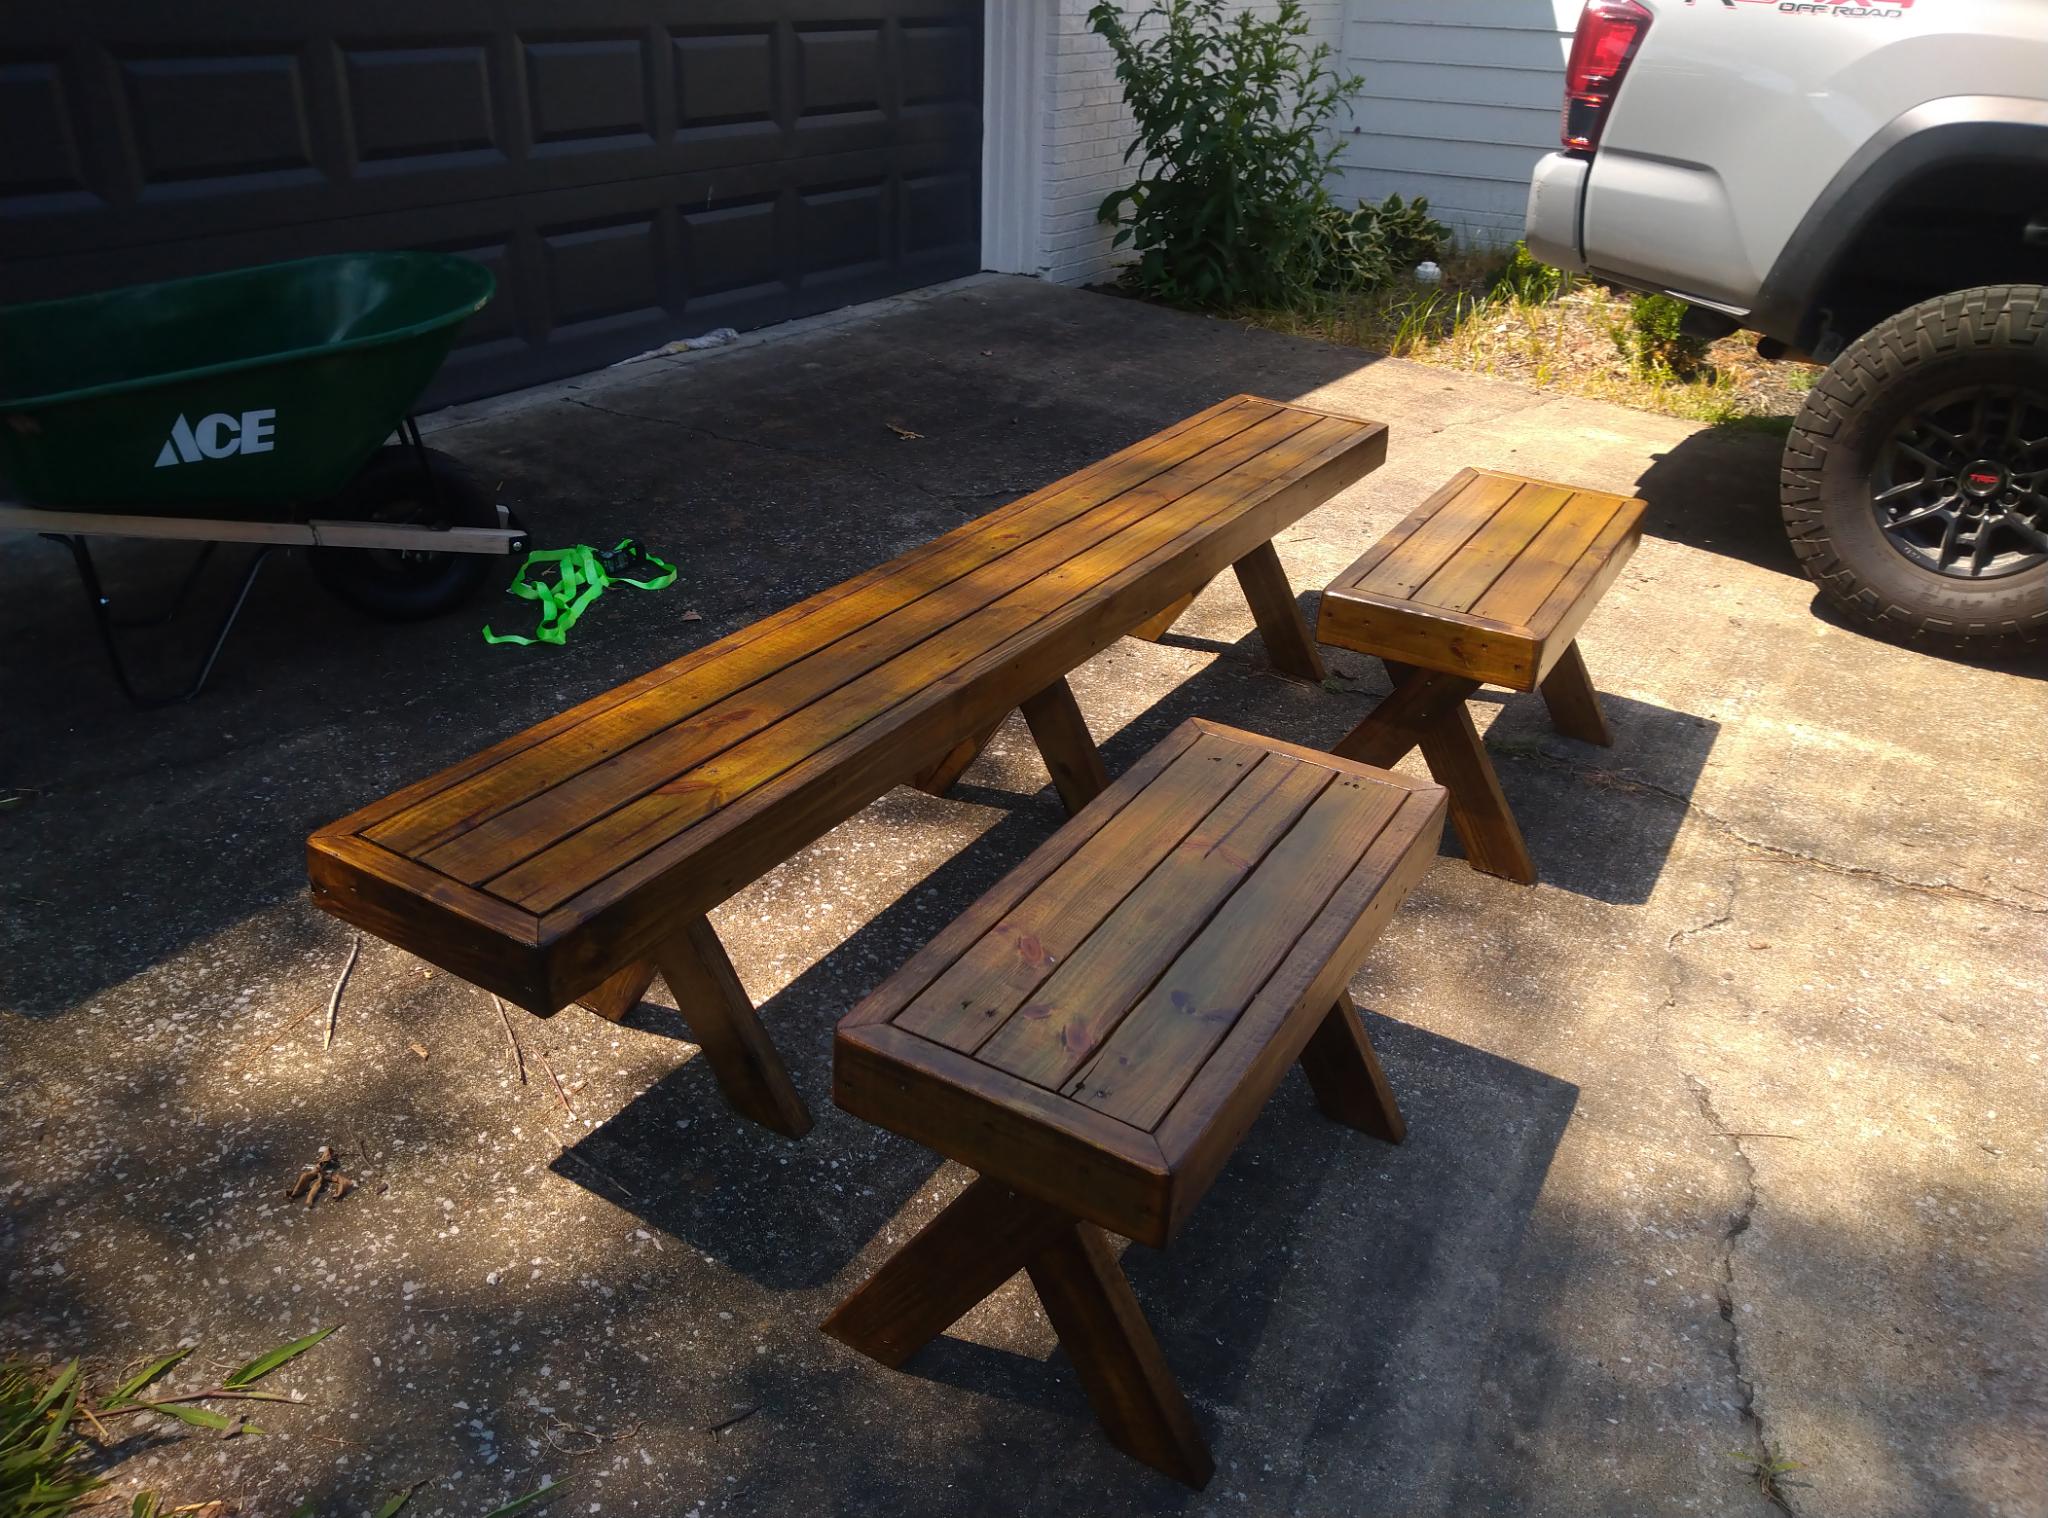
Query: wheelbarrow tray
241	390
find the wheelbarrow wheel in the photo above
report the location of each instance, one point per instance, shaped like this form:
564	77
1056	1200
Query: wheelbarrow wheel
409	584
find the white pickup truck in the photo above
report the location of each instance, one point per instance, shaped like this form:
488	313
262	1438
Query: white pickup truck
1865	185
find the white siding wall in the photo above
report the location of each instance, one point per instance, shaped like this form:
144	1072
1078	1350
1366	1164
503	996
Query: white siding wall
1087	128
1461	98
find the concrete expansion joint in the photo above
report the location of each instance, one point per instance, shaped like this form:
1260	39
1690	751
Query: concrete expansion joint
1628	783
1724	1282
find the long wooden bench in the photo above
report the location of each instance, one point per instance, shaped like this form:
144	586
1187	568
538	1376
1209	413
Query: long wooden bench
576	859
1097	1033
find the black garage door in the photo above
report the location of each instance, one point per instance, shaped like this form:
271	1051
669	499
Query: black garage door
631	171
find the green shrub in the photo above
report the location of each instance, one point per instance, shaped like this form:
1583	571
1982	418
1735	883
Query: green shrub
1407	230
1229	207
1652	340
1528	279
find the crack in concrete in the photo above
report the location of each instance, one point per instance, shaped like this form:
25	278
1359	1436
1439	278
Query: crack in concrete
1775	851
1724	1284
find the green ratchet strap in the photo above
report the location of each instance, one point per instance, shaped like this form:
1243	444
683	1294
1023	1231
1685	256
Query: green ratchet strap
582	575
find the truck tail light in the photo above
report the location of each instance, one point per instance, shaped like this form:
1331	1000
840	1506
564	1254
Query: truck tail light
1605	44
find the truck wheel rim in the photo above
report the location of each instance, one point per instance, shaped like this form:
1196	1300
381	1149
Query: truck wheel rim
1961	486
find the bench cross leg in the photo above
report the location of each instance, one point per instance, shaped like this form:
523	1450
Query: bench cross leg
1574	705
1288	643
614	999
724	1024
1427	710
1066	745
1346	1077
985	1236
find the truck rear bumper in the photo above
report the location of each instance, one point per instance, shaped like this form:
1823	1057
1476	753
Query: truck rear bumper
1557	191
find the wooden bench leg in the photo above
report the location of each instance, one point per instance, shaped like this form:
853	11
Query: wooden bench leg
615	998
725	1026
1288	643
1574	705
1104	1333
941	776
983	1238
1427	708
1068	748
1346	1077
1152	629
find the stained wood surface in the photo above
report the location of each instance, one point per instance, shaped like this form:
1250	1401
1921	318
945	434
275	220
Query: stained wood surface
1491	577
1066	1021
558	857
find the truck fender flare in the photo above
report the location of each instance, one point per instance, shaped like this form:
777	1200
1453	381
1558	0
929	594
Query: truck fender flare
1956	128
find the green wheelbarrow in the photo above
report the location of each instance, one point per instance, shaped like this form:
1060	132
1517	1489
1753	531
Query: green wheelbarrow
251	407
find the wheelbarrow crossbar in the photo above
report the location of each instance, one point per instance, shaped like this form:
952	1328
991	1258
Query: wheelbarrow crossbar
315	533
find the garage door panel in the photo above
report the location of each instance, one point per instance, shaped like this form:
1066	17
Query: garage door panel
629	169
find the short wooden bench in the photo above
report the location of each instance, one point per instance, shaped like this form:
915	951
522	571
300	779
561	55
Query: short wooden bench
1486	583
1097	1033
574	860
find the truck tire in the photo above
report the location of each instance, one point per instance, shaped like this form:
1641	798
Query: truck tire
1914	484
415	584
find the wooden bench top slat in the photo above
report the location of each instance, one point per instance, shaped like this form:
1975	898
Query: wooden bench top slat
862	670
612	723
990	978
1502	543
1142	1067
1253	913
558	856
924	673
1489	578
1068	1017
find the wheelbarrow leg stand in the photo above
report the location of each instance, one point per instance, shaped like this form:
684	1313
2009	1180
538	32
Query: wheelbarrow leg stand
103	618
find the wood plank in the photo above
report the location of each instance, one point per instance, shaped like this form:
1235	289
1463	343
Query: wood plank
1066	745
1434	542
1345	1074
1574	704
1104	1333
1083	1000
1472	570
724	1024
1085	589
618	917
735	663
1155	627
615	999
1142	1068
1568	607
1383	548
1520	592
964	933
1216	1111
1012	953
895	657
1030	1139
1289	648
979	1241
406	904
1460	643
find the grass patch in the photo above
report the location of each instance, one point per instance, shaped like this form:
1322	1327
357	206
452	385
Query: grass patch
1518	319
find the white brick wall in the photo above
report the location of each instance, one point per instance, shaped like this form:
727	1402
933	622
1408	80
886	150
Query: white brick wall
1086	129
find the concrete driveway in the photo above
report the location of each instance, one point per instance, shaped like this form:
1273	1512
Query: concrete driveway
1726	1137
